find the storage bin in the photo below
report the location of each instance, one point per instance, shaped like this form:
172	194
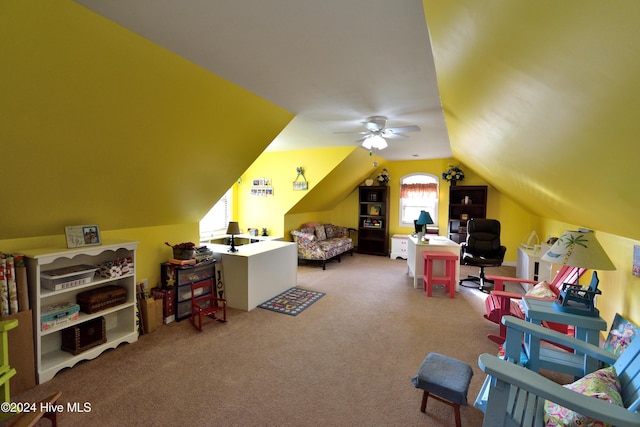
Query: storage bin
102	298
67	277
58	314
183	309
84	336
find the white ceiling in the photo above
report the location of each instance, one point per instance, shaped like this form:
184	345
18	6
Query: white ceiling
331	62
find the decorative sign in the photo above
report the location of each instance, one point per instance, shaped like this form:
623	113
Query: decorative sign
300	185
82	235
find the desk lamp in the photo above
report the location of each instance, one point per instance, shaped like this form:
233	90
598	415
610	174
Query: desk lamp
579	249
423	220
233	229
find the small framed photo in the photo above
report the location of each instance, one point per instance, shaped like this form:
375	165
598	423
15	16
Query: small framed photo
464	217
82	235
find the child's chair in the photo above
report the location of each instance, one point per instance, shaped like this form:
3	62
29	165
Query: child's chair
205	303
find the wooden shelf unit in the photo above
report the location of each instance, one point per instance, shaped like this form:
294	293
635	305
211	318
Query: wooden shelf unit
373	220
120	320
477	208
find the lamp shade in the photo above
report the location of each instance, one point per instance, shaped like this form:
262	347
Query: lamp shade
579	249
233	228
424	218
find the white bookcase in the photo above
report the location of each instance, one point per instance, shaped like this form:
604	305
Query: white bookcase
120	320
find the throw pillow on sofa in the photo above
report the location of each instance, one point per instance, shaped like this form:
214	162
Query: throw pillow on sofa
331	231
320	232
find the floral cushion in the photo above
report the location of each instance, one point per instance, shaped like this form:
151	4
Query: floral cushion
540	290
331	231
308	236
320	232
602	384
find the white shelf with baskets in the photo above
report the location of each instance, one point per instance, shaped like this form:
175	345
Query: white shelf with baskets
121	325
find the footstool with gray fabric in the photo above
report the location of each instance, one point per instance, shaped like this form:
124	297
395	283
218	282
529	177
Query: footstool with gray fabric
446	379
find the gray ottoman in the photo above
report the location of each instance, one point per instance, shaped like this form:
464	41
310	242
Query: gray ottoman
446	379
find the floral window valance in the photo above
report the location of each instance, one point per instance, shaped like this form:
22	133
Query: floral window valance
418	191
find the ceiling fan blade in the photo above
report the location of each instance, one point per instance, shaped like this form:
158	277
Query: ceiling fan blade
403	129
391	135
361	132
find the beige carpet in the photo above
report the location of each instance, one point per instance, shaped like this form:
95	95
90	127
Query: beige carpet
345	361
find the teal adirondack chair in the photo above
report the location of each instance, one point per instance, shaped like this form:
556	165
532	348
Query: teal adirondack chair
515	396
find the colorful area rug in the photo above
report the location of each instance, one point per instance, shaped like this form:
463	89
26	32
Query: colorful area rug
292	301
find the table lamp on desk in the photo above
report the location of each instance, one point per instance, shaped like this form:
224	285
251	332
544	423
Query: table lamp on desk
233	229
423	220
579	249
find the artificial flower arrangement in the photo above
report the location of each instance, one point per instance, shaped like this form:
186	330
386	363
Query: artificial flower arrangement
453	174
383	178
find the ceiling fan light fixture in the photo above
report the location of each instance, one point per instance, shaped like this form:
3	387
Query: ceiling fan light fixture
376	142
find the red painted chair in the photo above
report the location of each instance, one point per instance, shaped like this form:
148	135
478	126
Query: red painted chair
204	303
500	303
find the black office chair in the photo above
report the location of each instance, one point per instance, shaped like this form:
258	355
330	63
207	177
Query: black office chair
482	249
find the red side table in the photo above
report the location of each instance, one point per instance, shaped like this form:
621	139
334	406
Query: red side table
449	278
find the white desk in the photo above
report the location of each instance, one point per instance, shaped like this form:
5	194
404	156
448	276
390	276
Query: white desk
244	238
415	260
257	272
529	266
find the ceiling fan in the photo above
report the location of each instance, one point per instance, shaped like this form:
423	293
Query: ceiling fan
376	133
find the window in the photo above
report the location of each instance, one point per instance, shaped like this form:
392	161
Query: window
215	222
418	192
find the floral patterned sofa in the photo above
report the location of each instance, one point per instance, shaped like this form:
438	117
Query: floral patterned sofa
322	242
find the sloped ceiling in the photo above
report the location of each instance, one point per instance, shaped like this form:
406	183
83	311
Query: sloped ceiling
331	62
100	126
541	98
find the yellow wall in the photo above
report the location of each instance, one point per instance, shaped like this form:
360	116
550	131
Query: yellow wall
330	173
515	221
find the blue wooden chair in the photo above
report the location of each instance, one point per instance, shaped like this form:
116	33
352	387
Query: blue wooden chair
513	395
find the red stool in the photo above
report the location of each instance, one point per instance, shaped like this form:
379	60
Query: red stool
449	279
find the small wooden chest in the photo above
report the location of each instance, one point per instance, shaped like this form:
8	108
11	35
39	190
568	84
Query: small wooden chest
84	336
102	298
